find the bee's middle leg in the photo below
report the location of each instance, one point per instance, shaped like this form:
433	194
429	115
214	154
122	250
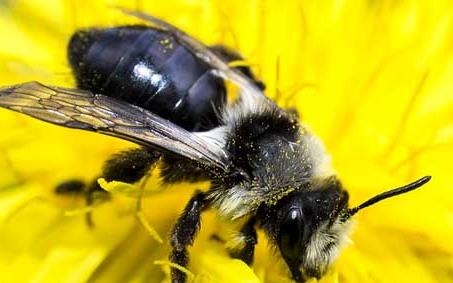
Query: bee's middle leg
184	232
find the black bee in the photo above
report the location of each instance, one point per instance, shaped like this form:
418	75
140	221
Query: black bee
162	89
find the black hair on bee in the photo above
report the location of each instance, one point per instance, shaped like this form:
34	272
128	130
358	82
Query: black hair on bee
165	91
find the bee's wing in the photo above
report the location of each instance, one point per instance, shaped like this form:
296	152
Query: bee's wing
80	109
249	91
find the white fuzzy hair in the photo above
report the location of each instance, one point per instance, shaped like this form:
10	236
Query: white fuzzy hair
325	244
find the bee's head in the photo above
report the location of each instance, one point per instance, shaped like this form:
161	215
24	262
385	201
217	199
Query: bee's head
310	226
307	229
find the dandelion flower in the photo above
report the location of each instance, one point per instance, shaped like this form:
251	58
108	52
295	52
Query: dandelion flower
371	78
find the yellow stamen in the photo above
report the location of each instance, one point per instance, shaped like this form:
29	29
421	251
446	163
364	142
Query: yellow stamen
141	217
189	274
116	187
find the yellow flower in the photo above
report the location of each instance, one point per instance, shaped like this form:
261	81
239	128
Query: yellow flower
371	78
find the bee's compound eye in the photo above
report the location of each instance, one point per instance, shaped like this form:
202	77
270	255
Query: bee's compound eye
291	233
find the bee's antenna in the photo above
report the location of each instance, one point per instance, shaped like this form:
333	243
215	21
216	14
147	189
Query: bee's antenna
401	190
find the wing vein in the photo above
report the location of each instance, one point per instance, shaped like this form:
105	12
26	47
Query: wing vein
82	110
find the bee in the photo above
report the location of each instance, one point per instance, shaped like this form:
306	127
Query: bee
162	89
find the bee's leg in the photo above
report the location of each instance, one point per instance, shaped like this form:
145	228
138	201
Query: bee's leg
248	237
78	188
177	170
128	166
71	187
229	55
93	192
183	234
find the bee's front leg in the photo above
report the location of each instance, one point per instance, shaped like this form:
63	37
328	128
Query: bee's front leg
248	238
184	233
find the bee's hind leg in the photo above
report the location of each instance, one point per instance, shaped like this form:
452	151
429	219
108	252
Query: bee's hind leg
128	166
183	234
91	192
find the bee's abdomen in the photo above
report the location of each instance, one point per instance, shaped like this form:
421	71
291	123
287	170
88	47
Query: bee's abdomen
148	68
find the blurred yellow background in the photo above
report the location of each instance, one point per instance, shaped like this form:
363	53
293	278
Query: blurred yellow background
373	79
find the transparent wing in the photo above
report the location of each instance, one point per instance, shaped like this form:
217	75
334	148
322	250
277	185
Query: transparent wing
249	91
80	109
